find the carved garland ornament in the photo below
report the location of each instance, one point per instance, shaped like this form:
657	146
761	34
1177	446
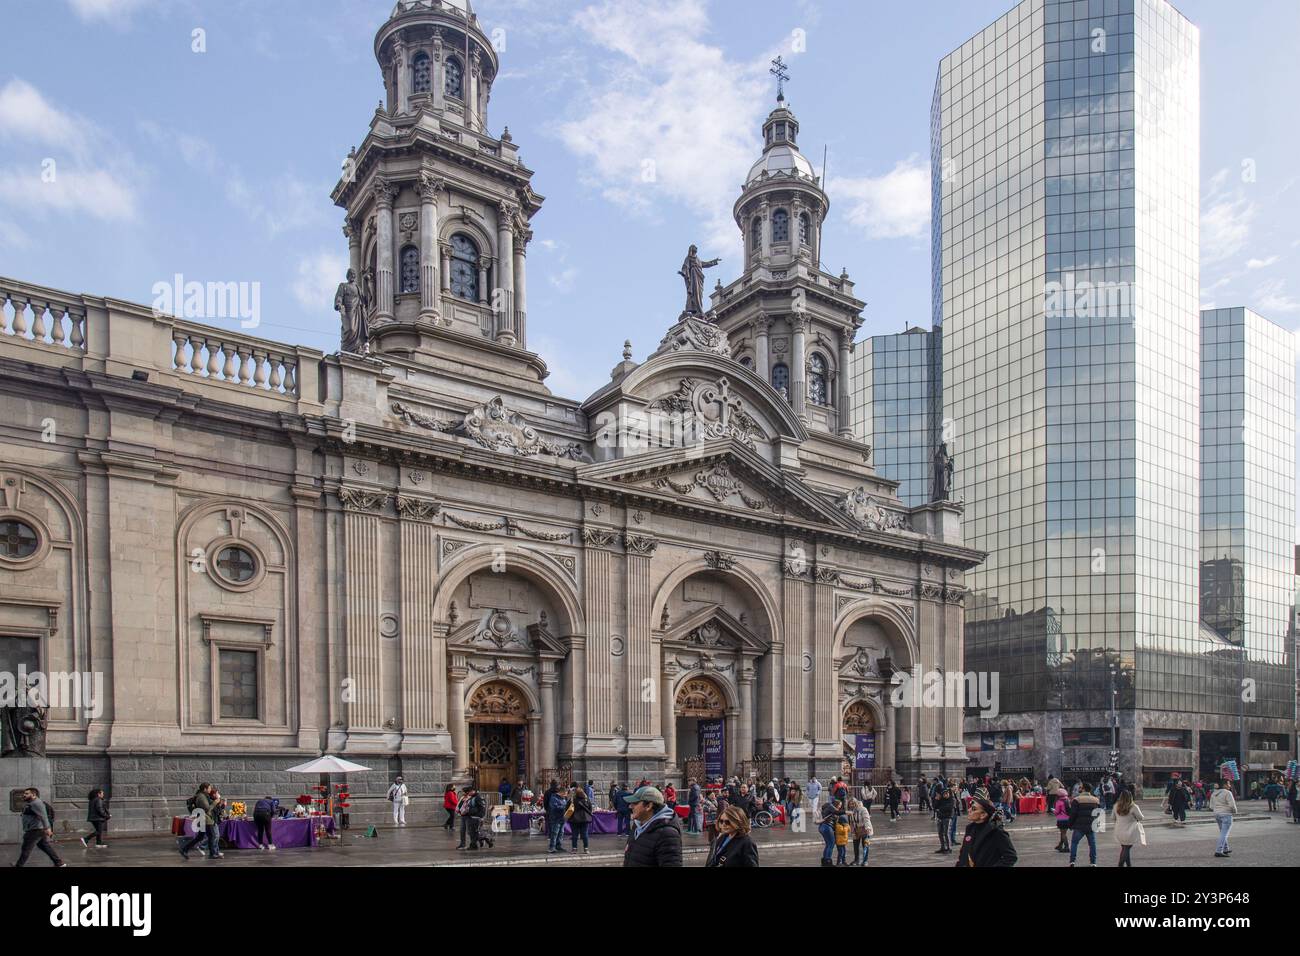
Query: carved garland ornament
419	509
871	514
719	561
717	481
640	544
496	428
357	499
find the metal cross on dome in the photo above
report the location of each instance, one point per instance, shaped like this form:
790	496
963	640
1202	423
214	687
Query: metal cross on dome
782	73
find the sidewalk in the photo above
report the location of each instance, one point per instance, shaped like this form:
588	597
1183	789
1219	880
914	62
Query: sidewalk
433	846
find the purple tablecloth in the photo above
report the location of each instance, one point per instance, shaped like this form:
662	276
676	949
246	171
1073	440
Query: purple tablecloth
603	821
287	833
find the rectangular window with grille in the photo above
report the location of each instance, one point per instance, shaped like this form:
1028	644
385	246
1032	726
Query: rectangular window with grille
239	684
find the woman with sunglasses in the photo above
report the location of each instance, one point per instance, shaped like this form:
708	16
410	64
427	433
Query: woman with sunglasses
733	846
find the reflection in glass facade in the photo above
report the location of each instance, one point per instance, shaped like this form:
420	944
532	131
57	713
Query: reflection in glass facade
895	405
1065	147
1248	394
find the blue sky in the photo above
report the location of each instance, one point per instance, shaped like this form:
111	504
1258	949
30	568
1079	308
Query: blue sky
218	165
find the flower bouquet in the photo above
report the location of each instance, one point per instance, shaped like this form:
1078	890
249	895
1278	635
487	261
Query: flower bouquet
239	810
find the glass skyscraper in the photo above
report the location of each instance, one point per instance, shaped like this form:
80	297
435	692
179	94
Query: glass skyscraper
1065	142
1247	574
896	398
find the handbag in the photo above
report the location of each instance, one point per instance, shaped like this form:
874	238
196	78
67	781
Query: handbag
568	811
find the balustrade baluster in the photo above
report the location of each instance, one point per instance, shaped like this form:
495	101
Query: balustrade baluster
20	317
38	324
78	336
246	369
232	368
57	335
259	379
196	354
275	373
214	363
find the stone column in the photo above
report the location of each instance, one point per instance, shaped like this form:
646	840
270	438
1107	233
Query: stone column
795	710
762	357
503	296
547	749
845	395
522	238
599	600
456	675
385	194
533	744
798	385
578	688
429	286
765	213
483	264
826	716
731	737
362	580
473	119
642	651
439	79
402	64
445	272
745	738
353	233
423	640
667	718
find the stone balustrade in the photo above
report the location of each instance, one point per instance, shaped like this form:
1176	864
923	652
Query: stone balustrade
48	327
38	315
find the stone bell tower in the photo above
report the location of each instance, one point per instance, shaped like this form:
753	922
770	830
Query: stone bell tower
439	210
788	320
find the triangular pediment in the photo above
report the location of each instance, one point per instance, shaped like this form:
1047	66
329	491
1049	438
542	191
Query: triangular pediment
721	475
714	628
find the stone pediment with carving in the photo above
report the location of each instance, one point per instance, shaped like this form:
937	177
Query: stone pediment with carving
498	631
718	483
872	513
702	410
495	427
714	630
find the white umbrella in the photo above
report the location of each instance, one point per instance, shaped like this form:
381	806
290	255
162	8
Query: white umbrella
328	764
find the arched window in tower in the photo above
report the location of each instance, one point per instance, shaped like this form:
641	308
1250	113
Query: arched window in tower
423	69
805	228
817	375
464	268
455	78
780	226
781	379
748	362
756	235
410	270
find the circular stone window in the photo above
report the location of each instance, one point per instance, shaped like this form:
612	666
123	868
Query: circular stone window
18	540
236	565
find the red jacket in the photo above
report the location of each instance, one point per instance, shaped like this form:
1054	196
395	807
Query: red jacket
449	801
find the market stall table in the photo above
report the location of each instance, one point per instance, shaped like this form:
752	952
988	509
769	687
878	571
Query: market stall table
603	821
286	833
1034	803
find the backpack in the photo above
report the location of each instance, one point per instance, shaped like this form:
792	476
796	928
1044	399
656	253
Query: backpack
190	804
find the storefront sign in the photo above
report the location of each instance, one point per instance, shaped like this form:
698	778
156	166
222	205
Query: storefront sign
713	747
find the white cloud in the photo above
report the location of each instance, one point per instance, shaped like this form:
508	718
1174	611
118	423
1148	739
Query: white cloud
1226	217
893	206
27	116
671	119
1260	263
1271	298
95	192
107	9
565	279
63	163
569	376
318	279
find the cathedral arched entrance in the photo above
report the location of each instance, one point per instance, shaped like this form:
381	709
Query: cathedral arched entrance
497	713
866	757
700	718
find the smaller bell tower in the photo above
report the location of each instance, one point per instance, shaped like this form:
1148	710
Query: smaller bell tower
790	322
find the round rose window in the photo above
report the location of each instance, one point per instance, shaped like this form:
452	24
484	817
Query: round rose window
18	539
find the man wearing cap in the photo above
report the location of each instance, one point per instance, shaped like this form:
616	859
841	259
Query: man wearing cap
656	839
986	843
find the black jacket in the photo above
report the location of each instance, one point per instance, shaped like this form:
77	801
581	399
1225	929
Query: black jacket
581	807
1178	798
1082	812
660	844
945	807
986	844
98	811
476	807
739	851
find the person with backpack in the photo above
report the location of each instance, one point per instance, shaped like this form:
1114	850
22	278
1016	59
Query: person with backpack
1083	818
580	814
475	812
38	829
1128	827
832	815
97	816
400	798
263	816
205	815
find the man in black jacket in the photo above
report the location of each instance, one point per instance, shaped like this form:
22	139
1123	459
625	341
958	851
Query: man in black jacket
475	812
656	840
945	805
986	843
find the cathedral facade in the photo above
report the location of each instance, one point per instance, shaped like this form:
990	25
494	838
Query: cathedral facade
412	553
